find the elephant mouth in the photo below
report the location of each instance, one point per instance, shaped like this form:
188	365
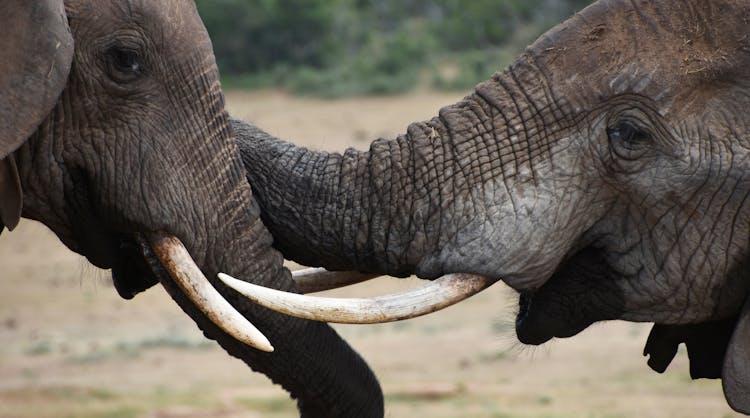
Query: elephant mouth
140	260
583	290
132	272
124	255
537	323
535	327
118	251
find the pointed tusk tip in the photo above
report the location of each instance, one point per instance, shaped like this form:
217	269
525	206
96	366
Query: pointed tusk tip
264	344
183	272
267	348
258	343
229	280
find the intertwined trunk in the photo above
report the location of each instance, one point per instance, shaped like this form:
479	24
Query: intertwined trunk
407	205
341	210
309	360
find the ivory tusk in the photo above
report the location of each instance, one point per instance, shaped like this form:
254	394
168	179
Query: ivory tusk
181	267
436	295
319	279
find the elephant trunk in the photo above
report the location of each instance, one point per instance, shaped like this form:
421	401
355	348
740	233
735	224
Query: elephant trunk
415	204
325	208
309	360
367	211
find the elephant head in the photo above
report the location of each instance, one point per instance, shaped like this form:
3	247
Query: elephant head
603	175
113	133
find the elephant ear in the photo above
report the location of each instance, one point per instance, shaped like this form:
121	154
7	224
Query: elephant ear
36	51
736	371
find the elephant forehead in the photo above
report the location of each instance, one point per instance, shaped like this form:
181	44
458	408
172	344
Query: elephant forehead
172	25
659	49
176	20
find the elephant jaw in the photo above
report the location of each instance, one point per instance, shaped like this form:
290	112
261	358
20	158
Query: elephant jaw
175	259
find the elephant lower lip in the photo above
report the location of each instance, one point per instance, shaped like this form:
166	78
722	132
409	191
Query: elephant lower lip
524	304
527	330
531	335
131	273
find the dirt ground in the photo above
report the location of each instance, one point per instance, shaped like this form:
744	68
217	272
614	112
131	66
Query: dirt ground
70	347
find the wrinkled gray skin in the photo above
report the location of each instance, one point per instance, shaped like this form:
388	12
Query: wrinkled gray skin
112	126
604	175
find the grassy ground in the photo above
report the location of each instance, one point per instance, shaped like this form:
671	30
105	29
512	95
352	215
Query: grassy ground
70	348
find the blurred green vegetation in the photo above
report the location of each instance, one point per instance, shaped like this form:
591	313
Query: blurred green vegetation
334	48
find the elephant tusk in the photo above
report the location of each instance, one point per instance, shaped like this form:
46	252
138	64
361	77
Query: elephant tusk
438	294
319	279
183	270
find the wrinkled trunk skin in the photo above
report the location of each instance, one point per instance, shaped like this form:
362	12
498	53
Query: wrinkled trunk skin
310	360
425	202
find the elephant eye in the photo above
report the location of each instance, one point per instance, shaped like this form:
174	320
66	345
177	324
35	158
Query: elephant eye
124	64
627	141
627	133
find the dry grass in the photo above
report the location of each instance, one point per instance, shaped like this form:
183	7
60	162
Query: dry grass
69	347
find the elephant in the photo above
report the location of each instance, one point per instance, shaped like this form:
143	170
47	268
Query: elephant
113	133
603	175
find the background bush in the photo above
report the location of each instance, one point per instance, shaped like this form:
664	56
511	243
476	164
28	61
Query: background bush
352	47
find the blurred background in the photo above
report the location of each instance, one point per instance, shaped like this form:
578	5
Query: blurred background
335	48
328	75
